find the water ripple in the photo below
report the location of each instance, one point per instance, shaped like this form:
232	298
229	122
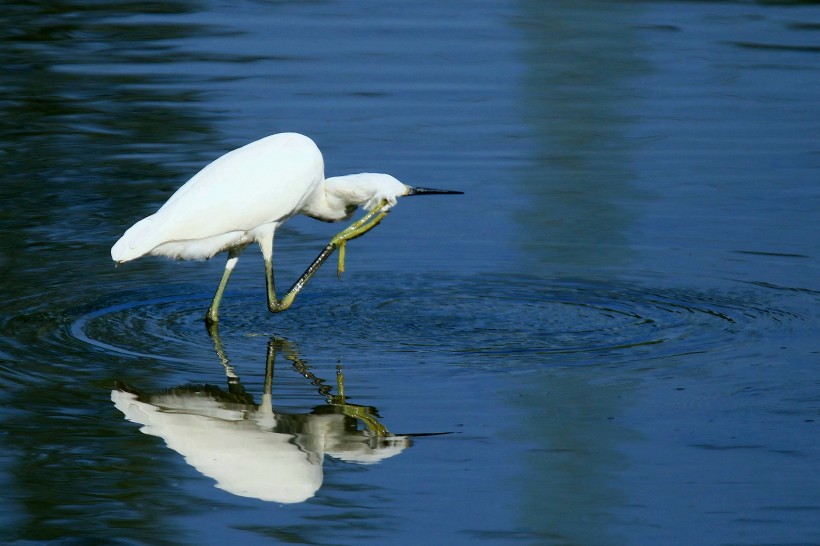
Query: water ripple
578	320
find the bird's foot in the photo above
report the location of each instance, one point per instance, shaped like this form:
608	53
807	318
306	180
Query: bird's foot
357	229
211	323
341	267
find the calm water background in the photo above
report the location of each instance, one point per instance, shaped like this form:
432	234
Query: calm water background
616	325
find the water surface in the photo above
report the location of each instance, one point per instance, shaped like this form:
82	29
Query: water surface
609	339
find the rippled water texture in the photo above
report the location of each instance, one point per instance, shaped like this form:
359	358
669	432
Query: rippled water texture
610	338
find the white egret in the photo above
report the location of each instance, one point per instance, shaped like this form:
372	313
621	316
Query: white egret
258	450
246	194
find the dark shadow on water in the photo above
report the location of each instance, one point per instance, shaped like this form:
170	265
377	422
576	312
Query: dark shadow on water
250	449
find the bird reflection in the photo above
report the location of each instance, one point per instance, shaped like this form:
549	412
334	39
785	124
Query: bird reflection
250	449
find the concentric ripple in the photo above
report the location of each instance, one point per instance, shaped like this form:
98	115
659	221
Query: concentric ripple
160	328
513	318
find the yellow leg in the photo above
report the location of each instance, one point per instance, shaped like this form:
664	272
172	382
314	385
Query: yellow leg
341	267
212	316
356	229
362	225
365	414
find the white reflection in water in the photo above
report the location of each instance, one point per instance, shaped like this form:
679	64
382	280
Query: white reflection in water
250	449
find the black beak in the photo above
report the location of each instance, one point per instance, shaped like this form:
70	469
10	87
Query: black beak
430	191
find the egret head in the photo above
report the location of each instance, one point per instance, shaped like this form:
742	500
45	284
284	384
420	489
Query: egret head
368	190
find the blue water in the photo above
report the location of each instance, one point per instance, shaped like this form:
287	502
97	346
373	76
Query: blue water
610	338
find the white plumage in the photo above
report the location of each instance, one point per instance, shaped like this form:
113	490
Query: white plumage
229	201
243	196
